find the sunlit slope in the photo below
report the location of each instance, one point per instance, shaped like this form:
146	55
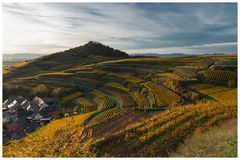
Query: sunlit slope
146	136
49	140
224	95
158	135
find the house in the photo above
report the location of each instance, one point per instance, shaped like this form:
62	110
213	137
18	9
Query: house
39	102
15	102
21	116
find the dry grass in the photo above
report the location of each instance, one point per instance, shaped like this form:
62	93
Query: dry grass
213	143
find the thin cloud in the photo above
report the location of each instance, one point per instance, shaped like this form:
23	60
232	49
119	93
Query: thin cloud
41	27
229	47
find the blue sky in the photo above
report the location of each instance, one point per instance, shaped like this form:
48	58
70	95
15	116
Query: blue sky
131	27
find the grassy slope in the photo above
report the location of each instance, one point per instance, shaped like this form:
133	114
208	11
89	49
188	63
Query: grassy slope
218	141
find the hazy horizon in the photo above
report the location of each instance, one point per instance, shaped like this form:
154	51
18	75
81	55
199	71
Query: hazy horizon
45	28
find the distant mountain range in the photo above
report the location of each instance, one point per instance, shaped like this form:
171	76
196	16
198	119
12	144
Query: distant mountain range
161	55
20	57
169	55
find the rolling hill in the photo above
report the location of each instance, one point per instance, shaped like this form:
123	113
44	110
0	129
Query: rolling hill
90	53
113	105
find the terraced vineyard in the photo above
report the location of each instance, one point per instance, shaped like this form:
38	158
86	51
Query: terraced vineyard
137	106
124	99
222	75
153	136
106	103
217	93
86	104
142	99
163	97
105	115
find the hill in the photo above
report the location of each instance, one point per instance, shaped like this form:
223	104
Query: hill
90	53
119	105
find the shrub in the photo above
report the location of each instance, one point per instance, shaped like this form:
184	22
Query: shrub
41	90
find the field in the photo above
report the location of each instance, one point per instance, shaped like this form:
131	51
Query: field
124	107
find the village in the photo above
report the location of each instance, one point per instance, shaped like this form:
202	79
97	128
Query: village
22	116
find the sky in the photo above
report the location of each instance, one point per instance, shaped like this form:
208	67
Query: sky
192	28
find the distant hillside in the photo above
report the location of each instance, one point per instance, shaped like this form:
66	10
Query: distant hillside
90	53
173	54
160	55
10	59
20	56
